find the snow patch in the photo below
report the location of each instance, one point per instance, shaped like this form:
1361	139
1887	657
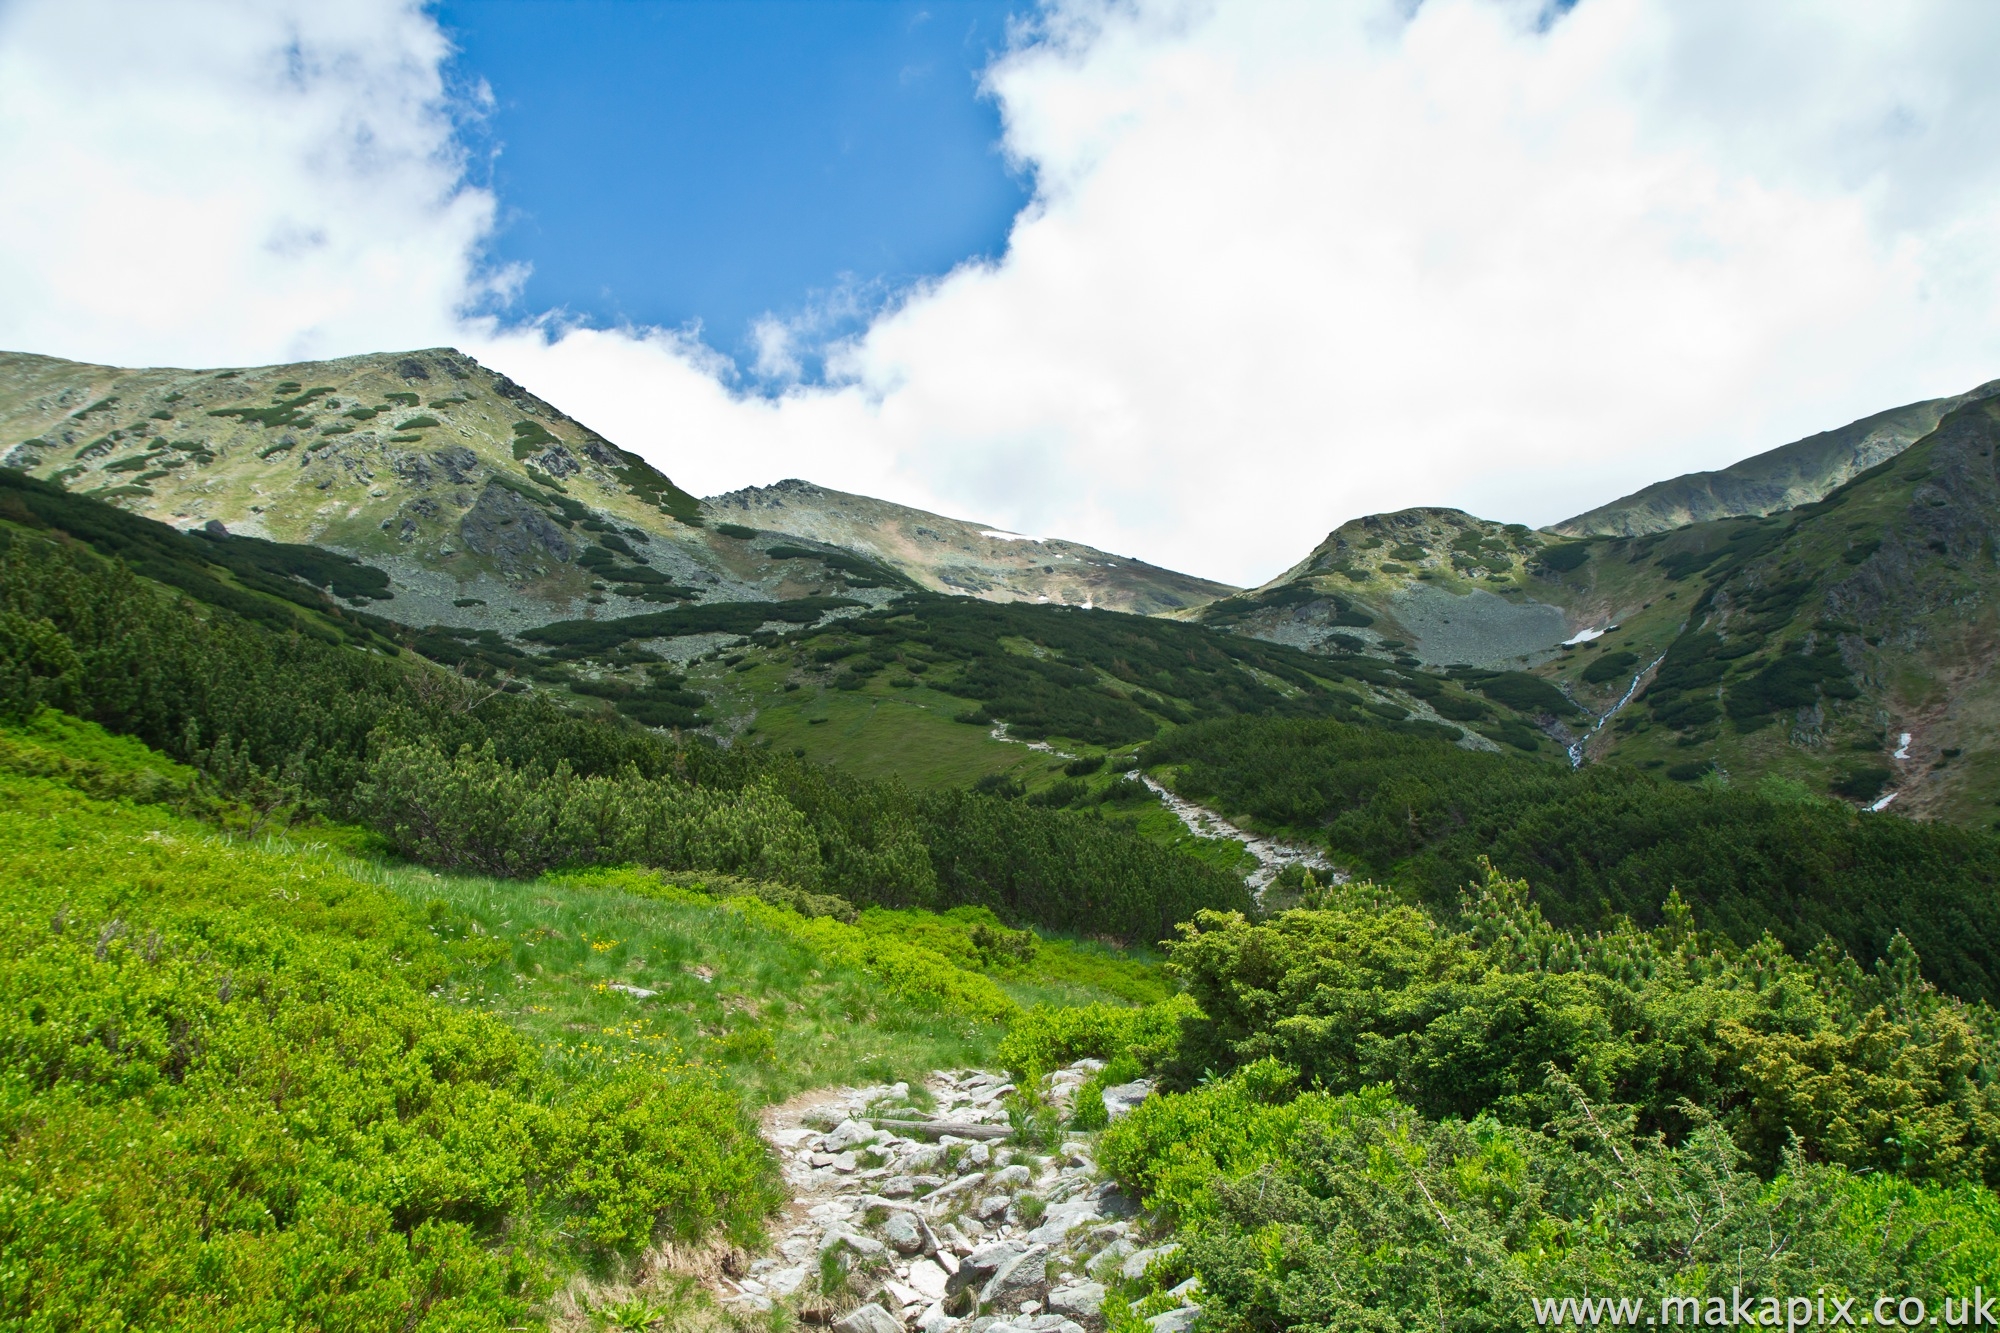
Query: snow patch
1902	752
1586	636
1008	536
1883	804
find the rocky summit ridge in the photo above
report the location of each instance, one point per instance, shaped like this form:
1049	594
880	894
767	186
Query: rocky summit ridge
1791	475
952	555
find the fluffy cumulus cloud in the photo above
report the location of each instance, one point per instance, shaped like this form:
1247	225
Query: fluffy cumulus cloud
1287	263
217	181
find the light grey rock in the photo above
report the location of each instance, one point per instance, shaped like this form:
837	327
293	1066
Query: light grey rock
897	1187
786	1280
1110	1258
1022	1278
903	1231
1175	1321
935	1320
848	1134
1187	1291
1137	1262
1013	1177
991	1207
1061	1219
1078	1300
865	1246
922	1159
870	1318
989	1259
928	1280
1121	1098
976	1158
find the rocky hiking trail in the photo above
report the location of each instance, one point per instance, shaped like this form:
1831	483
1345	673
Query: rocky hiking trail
909	1218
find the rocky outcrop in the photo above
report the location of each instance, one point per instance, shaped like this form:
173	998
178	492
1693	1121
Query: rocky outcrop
511	530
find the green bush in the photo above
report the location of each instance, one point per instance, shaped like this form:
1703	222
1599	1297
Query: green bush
1355	1212
1873	1070
228	1093
474	811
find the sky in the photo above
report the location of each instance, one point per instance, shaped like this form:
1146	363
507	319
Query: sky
1191	280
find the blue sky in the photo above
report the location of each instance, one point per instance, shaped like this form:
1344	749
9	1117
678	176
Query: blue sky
693	160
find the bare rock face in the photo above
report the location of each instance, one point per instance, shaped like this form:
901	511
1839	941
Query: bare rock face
506	527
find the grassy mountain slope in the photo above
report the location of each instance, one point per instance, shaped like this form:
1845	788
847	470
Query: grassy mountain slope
489	508
952	555
1813	641
1783	478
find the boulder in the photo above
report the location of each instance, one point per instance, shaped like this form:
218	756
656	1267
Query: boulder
1057	1222
848	1134
985	1261
1137	1262
1078	1300
1009	1178
1175	1321
865	1246
990	1207
1121	1098
904	1232
870	1318
1022	1278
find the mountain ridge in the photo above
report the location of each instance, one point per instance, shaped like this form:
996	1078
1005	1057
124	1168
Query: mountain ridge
1786	477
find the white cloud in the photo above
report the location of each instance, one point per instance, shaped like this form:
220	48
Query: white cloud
216	182
1289	263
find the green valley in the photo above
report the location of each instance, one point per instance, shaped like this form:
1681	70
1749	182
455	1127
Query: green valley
457	880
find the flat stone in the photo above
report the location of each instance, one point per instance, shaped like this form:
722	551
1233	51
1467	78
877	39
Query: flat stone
929	1280
870	1318
787	1280
865	1246
1078	1300
897	1187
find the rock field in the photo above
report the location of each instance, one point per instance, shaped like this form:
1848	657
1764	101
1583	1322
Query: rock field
937	1224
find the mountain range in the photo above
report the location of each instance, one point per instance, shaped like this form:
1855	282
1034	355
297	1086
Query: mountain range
1821	613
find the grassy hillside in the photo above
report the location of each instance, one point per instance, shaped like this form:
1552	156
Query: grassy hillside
489	508
1811	643
267	1080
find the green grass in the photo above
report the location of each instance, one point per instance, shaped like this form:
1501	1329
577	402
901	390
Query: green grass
284	1078
764	1008
875	732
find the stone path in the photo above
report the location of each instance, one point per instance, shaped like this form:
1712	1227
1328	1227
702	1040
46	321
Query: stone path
1272	855
935	1223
